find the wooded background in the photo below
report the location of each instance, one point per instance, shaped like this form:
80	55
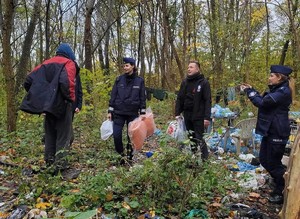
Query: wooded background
234	40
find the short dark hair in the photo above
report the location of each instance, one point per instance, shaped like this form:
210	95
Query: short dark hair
196	62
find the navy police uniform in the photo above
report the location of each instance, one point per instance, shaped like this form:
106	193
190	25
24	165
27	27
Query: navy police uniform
127	101
273	125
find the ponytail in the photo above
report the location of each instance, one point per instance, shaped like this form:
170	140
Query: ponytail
292	88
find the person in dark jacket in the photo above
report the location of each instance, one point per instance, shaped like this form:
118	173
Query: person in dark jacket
51	91
127	101
194	100
77	104
273	124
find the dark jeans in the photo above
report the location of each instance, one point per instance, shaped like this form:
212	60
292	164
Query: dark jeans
57	138
270	156
118	124
196	130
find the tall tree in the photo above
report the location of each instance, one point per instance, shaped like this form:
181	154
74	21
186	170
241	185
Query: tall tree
109	21
141	48
9	8
293	16
26	48
47	29
88	34
267	37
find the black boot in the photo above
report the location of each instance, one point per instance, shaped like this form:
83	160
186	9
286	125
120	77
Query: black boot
129	152
204	149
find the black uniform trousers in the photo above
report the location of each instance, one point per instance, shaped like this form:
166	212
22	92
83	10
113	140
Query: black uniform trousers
196	130
270	156
118	124
57	138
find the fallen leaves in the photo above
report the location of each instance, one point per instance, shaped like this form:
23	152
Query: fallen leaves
43	205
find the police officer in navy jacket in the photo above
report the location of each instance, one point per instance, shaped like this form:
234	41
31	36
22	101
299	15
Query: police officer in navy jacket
127	101
273	124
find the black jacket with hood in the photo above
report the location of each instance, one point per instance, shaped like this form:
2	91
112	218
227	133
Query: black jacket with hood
51	85
194	98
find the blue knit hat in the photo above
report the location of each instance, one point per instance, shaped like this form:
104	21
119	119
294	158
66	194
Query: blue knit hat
282	69
65	50
129	60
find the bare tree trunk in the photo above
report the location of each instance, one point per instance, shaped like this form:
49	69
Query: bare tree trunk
141	48
170	38
88	35
215	42
195	55
41	50
283	52
247	42
23	64
120	50
109	20
76	26
293	6
267	38
185	18
8	18
152	17
233	35
47	30
60	19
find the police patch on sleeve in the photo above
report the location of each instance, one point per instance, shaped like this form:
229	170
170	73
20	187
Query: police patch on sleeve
252	94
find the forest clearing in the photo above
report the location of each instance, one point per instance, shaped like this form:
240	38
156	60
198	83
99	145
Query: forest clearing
235	43
169	184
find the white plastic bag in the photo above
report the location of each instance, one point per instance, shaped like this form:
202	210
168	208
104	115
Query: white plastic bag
172	128
177	129
106	129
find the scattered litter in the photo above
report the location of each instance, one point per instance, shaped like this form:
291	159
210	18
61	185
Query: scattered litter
149	154
197	213
220	112
245	166
36	213
29	195
246	157
157	132
19	212
251	180
243	210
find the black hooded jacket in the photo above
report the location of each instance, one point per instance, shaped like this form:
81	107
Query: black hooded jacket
50	86
194	97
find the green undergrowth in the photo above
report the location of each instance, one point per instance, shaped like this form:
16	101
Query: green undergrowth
171	182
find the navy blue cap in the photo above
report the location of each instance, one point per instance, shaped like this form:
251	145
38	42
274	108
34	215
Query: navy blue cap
129	60
65	50
282	69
